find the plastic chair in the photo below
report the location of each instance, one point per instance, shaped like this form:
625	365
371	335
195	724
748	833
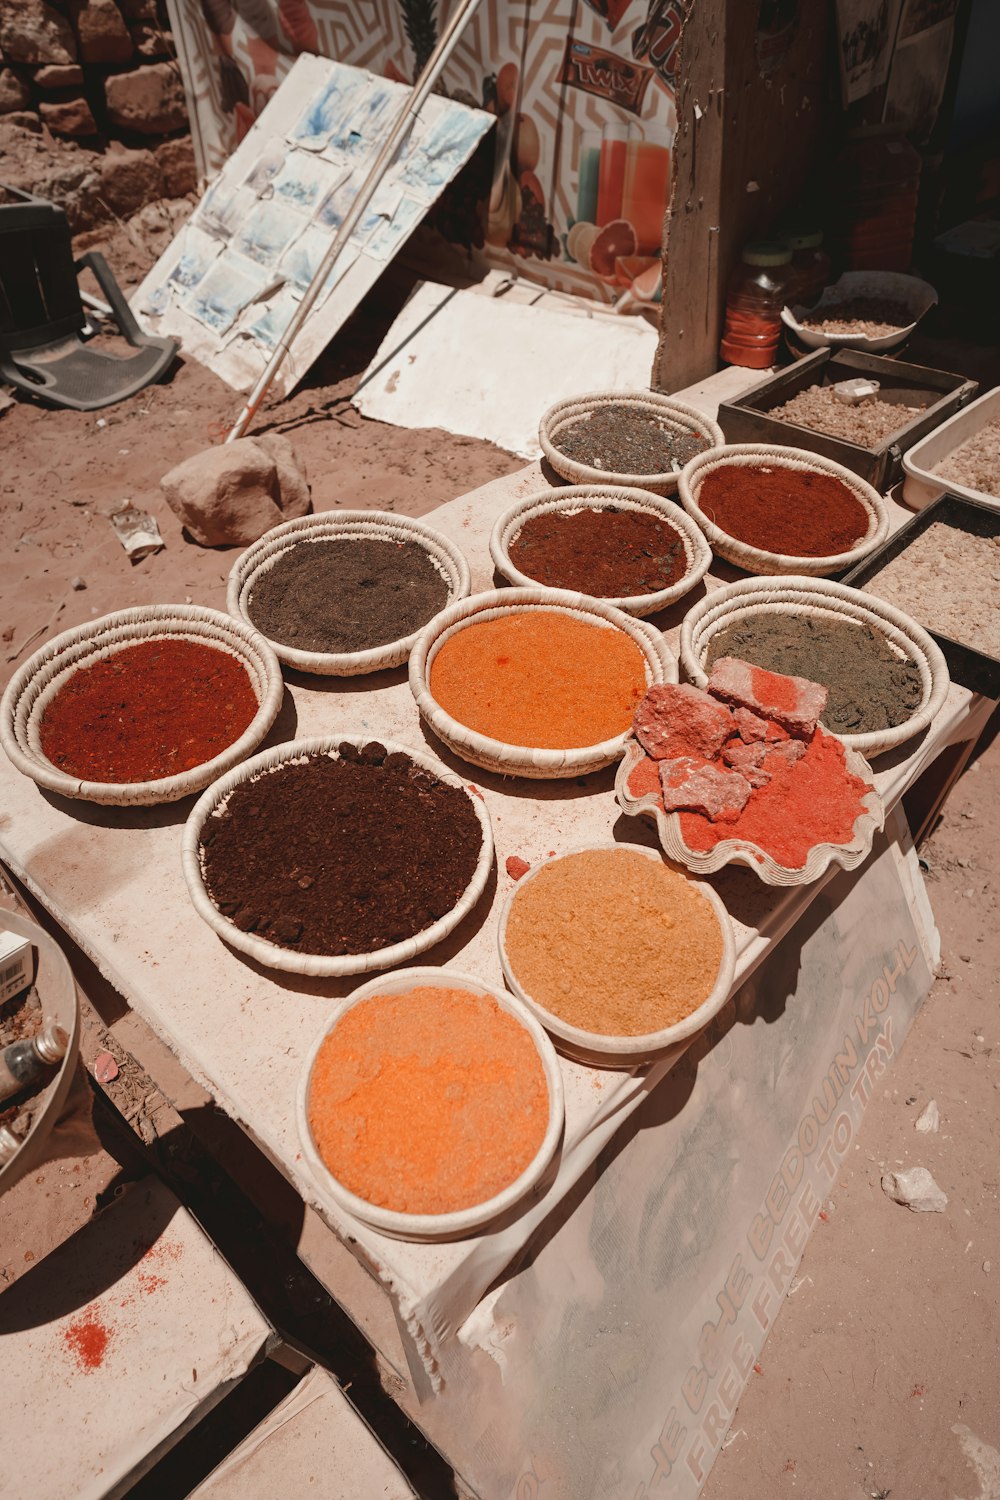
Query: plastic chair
42	317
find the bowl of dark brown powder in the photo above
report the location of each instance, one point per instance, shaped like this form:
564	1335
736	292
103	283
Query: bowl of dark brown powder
330	856
632	438
346	592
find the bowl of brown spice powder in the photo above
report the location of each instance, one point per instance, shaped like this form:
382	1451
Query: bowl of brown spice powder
337	855
635	550
432	1106
619	955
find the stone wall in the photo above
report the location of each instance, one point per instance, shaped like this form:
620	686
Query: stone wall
92	109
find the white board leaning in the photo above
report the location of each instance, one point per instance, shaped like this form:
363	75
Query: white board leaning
231	279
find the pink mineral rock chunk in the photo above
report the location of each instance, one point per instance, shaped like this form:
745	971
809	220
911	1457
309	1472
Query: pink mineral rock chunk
693	786
677	719
788	752
792	701
753	728
749	760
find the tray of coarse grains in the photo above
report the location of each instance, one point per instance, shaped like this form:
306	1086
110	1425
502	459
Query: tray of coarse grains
961	457
861	410
943	569
336	855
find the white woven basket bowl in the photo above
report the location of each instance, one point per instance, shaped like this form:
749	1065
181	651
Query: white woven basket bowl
343	525
460	1222
917	296
822	599
606	1050
523	760
319	964
33	687
740	851
678	414
605	497
755	559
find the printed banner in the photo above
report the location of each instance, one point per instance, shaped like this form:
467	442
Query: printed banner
583	97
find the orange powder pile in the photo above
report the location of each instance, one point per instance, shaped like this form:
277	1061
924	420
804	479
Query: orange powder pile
540	679
816	801
613	943
429	1101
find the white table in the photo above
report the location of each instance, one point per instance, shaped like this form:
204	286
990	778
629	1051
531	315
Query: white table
112	878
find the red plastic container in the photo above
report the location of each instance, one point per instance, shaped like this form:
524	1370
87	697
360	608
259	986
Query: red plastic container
757	293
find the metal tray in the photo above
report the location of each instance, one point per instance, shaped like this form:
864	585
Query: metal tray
749	419
973	669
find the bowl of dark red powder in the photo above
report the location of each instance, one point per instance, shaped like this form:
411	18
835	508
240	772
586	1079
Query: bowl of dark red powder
886	678
633	438
343	593
432	1106
332	856
143	706
535	682
631	548
782	510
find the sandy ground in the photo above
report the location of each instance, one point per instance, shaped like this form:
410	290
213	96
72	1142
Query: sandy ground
880	1377
63	472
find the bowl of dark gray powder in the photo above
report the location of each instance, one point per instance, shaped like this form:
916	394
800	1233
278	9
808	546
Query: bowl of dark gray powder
346	592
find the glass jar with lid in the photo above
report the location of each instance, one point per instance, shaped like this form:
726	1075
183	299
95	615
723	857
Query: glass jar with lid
757	292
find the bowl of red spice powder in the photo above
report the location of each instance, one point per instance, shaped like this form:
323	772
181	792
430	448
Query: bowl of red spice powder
346	592
432	1106
629	547
618	955
143	706
635	438
536	682
782	510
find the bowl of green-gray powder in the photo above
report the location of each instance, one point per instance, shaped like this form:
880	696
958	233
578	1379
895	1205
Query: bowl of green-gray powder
886	679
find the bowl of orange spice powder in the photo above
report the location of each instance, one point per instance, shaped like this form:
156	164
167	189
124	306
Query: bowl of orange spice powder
536	682
432	1106
620	955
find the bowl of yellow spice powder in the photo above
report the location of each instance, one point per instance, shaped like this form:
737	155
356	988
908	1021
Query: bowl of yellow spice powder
619	955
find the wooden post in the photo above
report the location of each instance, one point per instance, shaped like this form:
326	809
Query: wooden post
745	143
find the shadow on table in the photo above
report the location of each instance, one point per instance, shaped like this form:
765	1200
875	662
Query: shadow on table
100	1254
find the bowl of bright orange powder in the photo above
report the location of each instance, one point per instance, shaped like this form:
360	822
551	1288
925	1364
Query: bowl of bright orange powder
432	1106
620	955
536	682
